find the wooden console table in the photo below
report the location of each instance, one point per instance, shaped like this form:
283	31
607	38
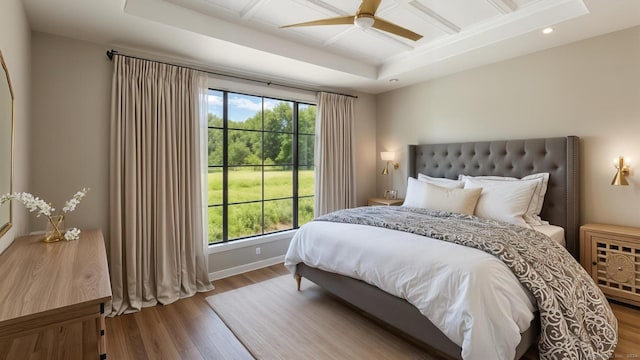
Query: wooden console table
52	298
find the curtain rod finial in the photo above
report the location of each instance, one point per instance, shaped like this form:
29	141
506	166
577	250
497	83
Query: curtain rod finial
110	54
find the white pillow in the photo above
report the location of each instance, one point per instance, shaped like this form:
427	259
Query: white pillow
443	182
504	200
532	215
461	201
425	195
415	195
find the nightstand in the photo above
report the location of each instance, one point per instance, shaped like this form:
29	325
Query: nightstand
384	202
611	255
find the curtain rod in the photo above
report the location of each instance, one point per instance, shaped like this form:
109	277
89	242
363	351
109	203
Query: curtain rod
112	52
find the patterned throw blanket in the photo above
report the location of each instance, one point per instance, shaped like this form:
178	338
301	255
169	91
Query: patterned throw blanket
576	320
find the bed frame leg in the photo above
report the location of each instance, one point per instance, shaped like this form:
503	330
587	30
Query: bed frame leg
298	280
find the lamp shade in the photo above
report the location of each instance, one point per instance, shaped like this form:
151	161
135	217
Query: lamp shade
619	179
622	172
387	155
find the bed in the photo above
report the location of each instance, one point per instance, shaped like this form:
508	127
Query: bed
514	158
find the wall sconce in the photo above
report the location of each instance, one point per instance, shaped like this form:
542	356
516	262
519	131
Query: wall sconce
623	171
388	156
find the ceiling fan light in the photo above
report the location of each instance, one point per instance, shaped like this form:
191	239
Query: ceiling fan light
364	21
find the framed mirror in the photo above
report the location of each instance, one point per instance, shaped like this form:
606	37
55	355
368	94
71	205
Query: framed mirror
6	145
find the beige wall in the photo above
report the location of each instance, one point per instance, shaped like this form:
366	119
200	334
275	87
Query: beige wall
71	92
15	46
366	165
590	89
70	138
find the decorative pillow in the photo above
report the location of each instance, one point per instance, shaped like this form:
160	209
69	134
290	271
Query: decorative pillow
532	215
504	200
461	201
443	182
429	196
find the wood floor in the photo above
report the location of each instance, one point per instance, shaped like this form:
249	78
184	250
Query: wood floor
189	329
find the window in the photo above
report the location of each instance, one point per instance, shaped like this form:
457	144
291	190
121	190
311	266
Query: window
260	165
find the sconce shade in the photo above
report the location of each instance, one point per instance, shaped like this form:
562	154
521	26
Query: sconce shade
621	174
619	179
387	155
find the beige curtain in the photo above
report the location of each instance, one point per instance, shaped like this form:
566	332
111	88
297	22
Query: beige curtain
334	153
156	211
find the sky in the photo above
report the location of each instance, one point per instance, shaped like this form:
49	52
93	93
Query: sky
241	107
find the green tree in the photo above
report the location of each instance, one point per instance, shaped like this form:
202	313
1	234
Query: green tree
285	155
215	140
277	121
214	120
306	126
306	119
238	153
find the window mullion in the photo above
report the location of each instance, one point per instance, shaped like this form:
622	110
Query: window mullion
262	167
225	168
294	156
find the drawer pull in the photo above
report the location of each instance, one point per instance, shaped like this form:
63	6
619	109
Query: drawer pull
594	263
619	268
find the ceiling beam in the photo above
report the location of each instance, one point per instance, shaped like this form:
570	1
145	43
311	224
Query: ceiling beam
504	6
436	19
330	41
251	8
329	7
331	11
383	35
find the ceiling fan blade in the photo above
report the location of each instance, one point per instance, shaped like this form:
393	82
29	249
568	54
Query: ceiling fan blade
342	20
368	7
395	29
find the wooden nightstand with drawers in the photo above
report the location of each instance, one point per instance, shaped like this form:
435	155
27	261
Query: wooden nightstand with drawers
611	255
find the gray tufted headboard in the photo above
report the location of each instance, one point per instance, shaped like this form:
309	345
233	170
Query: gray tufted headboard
517	158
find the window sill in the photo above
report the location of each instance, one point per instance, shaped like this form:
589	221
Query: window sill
218	248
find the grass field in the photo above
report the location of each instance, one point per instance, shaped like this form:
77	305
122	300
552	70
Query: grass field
247	186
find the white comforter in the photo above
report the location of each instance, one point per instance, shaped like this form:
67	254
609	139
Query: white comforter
471	296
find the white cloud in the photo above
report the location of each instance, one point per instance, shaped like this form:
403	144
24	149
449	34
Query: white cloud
270	104
245	103
214	100
241	107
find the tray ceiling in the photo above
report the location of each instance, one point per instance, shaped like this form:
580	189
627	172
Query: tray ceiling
440	22
244	36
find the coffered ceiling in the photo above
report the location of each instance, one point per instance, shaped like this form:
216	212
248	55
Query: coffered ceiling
440	22
245	36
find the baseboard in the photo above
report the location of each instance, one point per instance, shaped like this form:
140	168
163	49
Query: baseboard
236	270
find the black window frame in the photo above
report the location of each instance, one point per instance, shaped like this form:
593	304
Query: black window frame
295	166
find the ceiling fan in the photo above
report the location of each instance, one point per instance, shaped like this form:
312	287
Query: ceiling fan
365	18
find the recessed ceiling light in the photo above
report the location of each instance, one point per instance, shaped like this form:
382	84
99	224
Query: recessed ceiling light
547	31
393	80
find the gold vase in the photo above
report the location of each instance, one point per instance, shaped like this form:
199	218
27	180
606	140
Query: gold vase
55	229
